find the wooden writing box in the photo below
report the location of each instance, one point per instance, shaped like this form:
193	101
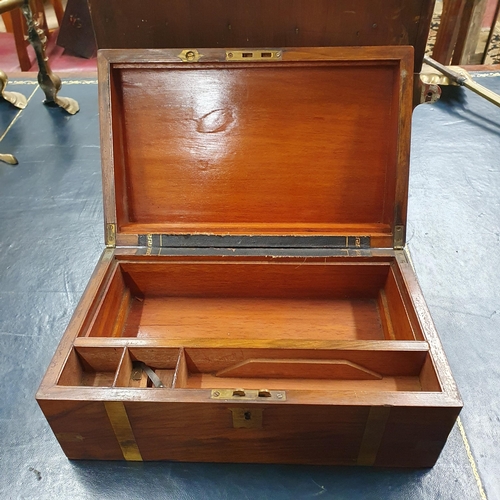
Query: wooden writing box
254	302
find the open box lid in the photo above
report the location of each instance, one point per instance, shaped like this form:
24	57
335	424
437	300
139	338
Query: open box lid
298	147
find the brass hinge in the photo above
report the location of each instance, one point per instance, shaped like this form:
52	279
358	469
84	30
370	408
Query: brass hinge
399	237
253	55
111	235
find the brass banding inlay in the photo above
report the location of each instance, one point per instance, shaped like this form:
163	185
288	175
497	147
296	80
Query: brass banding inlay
118	418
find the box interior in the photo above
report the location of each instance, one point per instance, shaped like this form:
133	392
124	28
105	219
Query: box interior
200	308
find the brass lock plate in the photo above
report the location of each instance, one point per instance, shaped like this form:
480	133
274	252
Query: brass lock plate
262	395
253	55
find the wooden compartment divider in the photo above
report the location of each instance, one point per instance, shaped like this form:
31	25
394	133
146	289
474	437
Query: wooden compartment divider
394	364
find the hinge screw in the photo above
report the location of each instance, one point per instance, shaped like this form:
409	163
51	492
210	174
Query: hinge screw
279	395
216	394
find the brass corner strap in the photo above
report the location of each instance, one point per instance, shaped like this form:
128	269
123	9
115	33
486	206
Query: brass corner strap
373	435
120	423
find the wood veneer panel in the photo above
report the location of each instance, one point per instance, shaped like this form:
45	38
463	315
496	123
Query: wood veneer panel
122	377
291	434
228	148
113	309
385	317
362	346
100	359
163	358
224	318
181	371
397	310
415	436
209	381
98	379
123	310
82	429
270	23
267	368
72	372
428	376
387	363
238	279
90	366
166	377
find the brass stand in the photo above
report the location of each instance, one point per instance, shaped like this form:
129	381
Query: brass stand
48	81
15	98
10	159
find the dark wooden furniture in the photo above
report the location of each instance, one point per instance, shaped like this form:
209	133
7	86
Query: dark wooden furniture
254	302
77	34
459	31
261	23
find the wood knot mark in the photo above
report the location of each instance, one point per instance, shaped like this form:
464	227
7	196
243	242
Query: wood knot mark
215	121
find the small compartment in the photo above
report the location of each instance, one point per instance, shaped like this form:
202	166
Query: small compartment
309	370
295	299
91	366
148	367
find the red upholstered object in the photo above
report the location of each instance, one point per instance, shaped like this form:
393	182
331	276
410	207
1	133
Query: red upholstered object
58	60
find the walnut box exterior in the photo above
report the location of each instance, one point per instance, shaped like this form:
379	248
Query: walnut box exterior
254	302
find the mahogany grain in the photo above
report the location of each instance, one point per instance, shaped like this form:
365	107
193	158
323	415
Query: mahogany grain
315	144
208	381
183	318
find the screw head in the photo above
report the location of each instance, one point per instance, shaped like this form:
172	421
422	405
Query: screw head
230	54
190	55
279	395
216	394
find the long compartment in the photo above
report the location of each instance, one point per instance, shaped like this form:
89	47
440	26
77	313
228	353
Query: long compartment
294	299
